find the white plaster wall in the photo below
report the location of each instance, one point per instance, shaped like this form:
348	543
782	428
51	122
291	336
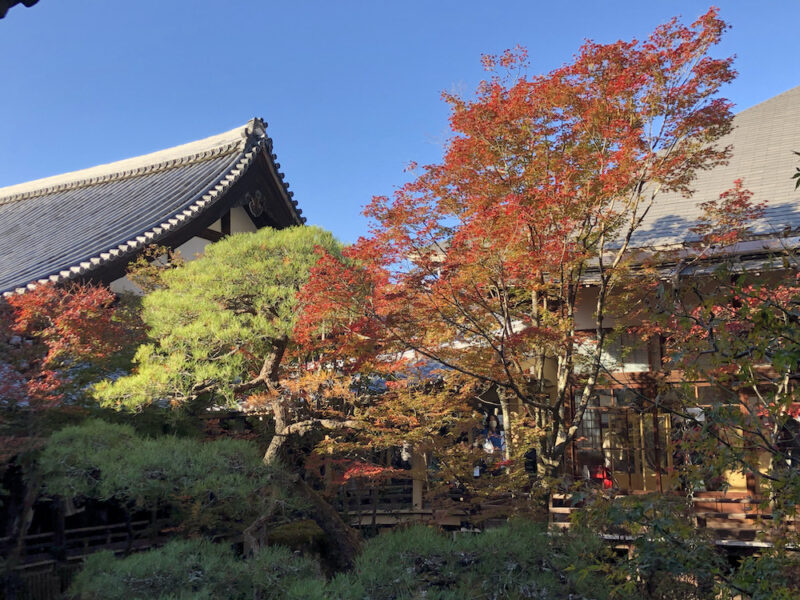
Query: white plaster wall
194	248
636	358
240	221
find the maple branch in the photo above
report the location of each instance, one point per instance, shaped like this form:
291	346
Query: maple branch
455	367
303	427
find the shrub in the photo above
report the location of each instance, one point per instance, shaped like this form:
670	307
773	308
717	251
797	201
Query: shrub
198	569
210	487
182	569
519	560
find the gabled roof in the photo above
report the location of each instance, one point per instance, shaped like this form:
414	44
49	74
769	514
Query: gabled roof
79	223
764	139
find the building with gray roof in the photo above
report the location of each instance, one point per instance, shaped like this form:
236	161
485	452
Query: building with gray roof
763	139
90	224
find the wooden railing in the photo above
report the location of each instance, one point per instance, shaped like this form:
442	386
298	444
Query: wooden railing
48	561
384	504
44	582
732	519
81	541
357	496
364	503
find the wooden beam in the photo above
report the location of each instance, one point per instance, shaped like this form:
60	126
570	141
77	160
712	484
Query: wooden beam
210	235
225	223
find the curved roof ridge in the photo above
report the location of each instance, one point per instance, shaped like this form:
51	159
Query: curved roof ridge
98	218
154	234
228	142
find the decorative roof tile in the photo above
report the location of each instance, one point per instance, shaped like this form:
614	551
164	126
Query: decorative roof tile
7	4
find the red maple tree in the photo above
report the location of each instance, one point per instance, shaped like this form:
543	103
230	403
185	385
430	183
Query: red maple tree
480	266
54	342
52	339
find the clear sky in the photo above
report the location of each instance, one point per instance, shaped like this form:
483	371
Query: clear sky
350	89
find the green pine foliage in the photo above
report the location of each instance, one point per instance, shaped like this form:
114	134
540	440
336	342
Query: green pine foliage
87	460
197	569
520	560
210	487
217	318
516	561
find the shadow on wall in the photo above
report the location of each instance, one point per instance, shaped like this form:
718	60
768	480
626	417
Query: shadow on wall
780	220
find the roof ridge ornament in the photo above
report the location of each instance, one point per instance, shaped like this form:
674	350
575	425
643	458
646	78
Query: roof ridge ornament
256	127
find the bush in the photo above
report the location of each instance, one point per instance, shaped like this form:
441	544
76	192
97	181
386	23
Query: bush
210	487
519	560
181	569
278	573
198	569
670	558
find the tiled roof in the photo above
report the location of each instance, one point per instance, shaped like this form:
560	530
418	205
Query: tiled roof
6	4
65	226
763	140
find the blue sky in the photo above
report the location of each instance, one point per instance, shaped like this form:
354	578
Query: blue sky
350	89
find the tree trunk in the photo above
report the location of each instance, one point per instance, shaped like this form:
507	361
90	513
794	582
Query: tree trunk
253	536
11	582
506	425
345	541
25	519
548	465
280	416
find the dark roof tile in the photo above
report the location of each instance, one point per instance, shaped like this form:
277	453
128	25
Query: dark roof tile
61	227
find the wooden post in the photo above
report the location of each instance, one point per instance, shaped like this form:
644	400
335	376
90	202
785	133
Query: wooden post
153	527
571	448
657	450
629	451
752	479
417	479
643	453
128	530
608	433
60	519
374	495
225	223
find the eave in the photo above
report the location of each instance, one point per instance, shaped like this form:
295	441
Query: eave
163	198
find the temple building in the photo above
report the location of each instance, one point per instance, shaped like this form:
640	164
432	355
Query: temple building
88	225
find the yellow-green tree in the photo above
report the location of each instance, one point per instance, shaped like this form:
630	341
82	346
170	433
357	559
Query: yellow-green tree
220	333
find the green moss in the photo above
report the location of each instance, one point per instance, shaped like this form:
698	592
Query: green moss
304	534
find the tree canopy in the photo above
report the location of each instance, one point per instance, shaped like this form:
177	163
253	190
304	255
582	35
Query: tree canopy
220	325
220	332
211	487
54	341
481	264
